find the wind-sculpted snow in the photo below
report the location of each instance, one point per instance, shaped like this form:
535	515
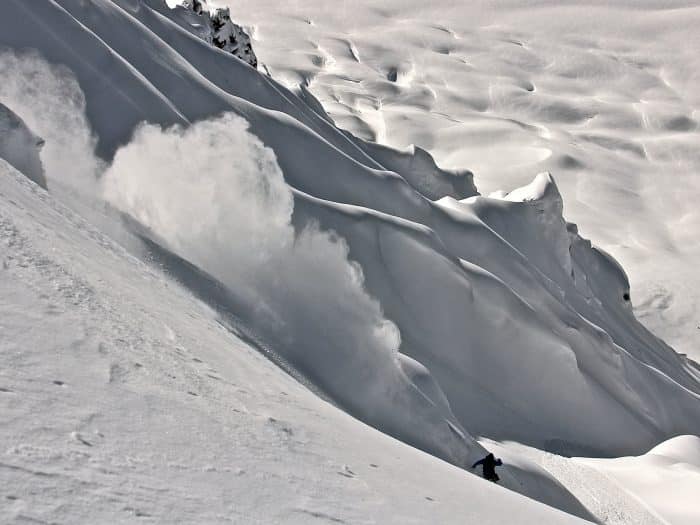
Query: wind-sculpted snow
515	327
675	463
601	94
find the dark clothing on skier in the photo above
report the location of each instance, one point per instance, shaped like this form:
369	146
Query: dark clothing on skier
488	466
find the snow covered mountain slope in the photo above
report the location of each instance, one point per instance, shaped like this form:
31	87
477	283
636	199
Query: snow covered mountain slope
125	400
379	280
602	94
475	301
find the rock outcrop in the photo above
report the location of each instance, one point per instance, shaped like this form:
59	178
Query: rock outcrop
217	28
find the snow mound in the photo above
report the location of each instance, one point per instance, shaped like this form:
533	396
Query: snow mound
541	188
682	449
674	464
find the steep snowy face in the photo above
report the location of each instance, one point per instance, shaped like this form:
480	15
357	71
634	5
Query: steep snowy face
511	325
20	147
513	88
297	291
216	28
125	399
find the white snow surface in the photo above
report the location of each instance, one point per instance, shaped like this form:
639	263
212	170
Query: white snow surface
601	94
380	282
674	464
126	400
656	488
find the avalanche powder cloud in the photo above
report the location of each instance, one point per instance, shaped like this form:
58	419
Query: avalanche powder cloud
48	98
216	195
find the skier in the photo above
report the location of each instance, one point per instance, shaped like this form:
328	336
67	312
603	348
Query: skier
488	465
